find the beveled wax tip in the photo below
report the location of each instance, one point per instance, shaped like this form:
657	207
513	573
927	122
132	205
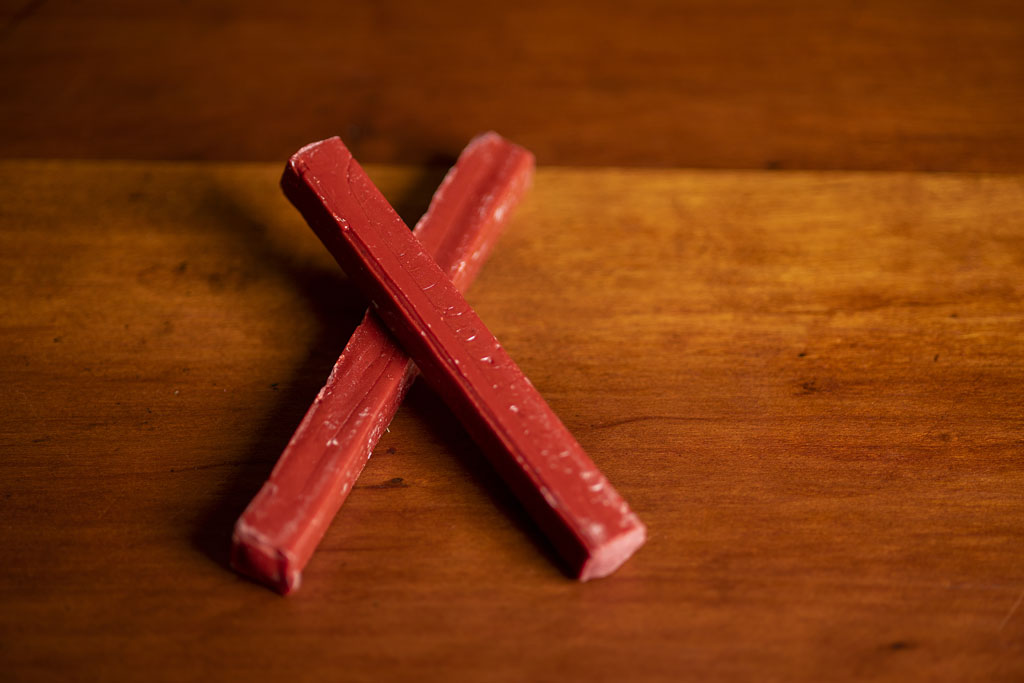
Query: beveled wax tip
613	553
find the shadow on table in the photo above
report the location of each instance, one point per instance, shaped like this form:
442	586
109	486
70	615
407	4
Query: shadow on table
445	428
337	307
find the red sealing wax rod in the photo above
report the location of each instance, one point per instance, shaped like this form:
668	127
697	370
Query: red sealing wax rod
277	534
589	524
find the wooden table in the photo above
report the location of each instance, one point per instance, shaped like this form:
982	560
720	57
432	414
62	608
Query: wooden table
809	384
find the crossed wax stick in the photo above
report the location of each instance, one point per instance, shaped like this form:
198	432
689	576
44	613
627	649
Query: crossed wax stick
414	280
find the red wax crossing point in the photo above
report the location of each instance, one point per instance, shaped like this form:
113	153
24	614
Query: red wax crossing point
588	522
277	534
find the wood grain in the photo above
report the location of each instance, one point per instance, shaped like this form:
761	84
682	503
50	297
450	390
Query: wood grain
876	84
809	385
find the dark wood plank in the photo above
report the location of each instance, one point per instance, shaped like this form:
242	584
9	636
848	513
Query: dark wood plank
808	384
879	84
